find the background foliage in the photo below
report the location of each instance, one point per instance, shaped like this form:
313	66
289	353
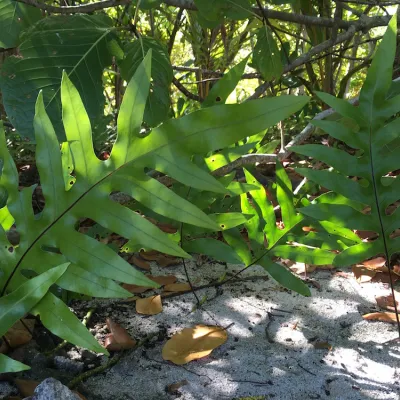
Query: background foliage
129	97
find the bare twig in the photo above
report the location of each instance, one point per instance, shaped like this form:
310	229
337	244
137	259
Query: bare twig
82	8
186	92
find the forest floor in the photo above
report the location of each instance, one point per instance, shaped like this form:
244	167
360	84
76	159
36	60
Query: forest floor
280	345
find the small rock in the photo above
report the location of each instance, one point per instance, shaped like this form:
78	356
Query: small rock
6	390
64	363
52	389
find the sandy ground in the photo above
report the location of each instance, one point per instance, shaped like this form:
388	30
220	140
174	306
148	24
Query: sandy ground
272	350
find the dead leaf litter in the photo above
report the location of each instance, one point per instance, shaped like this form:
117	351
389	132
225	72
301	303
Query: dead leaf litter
278	344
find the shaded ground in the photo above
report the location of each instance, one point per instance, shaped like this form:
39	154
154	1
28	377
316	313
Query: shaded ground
273	348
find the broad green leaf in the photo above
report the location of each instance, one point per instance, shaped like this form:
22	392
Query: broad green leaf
214	248
19	302
226	156
266	55
284	277
131	112
230	220
78	44
220	92
235	240
7	364
304	254
341	215
6	219
212	12
61	321
366	176
269	148
79	280
15	17
158	102
52	238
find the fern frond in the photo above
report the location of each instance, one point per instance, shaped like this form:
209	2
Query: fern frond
50	240
363	179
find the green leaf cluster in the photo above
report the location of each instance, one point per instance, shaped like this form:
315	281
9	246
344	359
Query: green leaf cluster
368	191
77	185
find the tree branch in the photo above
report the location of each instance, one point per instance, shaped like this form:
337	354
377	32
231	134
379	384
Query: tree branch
299	18
186	92
82	8
306	57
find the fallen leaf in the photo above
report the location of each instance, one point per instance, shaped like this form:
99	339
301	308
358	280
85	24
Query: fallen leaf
139	262
119	338
173	388
135	288
151	255
386	302
362	274
375	263
20	332
323	345
163	280
384	277
193	343
26	387
165	261
149	305
381	316
167	228
177	287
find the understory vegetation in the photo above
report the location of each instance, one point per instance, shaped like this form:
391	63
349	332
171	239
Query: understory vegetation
247	133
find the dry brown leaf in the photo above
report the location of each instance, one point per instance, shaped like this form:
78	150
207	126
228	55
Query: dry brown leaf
193	343
323	345
363	274
151	255
135	288
375	263
177	287
119	338
386	302
381	316
384	277
165	261
19	333
139	262
149	305
167	228
26	387
163	280
366	234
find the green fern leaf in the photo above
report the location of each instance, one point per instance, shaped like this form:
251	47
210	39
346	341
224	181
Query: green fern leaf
268	241
50	239
374	134
7	364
